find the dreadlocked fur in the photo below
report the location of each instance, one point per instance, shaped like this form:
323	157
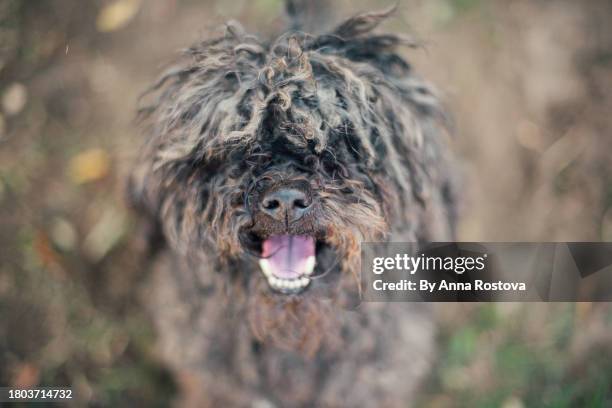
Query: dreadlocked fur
342	114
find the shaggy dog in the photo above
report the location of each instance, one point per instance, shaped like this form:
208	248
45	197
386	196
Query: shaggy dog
266	164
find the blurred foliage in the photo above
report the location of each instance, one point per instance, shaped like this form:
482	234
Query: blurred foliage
496	357
54	334
68	314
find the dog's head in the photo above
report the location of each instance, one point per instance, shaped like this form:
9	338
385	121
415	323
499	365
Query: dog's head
282	158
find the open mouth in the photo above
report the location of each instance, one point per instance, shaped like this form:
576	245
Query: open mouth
288	261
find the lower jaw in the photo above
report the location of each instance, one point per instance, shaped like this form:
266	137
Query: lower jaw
285	285
286	291
289	285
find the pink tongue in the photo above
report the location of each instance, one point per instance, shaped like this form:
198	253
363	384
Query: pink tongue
287	254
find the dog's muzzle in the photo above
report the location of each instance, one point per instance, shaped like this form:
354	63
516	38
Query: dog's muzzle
287	235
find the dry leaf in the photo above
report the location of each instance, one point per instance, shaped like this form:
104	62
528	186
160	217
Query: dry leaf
14	99
105	234
44	250
117	15
26	376
513	402
90	165
63	234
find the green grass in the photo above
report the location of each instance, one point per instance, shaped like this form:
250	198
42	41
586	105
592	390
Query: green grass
519	360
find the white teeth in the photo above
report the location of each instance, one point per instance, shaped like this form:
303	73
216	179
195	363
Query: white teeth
309	265
265	267
279	283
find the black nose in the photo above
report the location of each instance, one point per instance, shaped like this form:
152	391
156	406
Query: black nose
285	203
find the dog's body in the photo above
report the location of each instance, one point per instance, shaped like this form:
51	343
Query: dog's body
384	351
290	155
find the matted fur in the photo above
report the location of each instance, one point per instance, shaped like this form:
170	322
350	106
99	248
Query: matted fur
341	113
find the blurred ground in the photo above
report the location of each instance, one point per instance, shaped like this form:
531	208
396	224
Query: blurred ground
529	84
